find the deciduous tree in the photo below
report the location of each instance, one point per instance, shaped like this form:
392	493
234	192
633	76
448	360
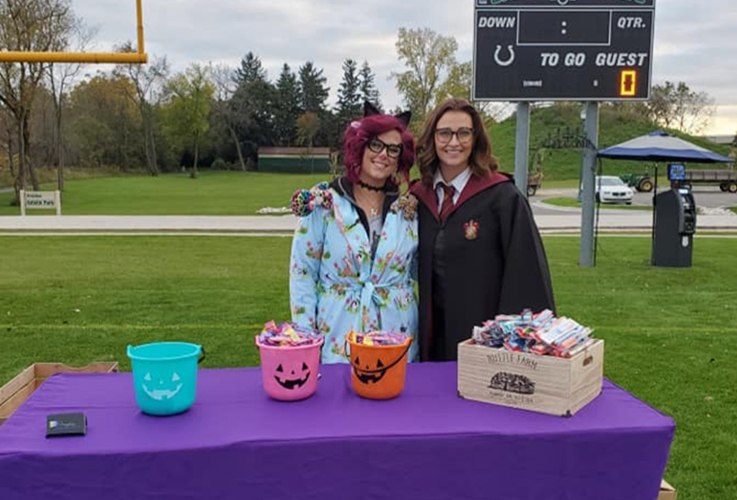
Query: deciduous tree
189	107
58	78
105	123
28	25
148	84
308	125
428	58
675	105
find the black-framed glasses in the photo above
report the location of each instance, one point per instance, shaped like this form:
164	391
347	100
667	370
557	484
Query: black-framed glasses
392	150
445	135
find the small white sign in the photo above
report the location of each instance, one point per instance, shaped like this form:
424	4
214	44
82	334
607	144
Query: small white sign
43	200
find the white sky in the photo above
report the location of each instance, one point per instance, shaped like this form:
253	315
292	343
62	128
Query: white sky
695	40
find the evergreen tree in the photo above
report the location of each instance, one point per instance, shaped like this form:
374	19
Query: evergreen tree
348	107
349	97
286	109
368	90
253	103
312	90
250	70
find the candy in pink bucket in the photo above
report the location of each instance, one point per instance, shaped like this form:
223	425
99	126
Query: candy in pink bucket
290	361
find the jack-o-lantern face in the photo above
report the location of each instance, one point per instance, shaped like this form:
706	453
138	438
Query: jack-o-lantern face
163	388
296	378
369	374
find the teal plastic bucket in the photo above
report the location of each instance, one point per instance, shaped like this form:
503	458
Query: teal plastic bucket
165	376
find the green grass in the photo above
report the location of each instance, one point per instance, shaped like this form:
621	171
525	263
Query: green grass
573	202
671	340
78	299
734	209
670	333
49	175
213	193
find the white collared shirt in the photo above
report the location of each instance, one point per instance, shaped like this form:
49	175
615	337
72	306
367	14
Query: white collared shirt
458	183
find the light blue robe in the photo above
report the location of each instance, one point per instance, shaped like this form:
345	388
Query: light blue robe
335	285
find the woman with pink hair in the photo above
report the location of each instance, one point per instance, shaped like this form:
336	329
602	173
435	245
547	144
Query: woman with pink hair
353	261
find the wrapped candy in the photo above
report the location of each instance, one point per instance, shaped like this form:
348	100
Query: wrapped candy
540	333
377	338
286	335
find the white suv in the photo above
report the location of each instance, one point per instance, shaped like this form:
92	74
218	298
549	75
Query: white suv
611	189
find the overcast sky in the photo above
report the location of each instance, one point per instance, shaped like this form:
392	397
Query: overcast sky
695	40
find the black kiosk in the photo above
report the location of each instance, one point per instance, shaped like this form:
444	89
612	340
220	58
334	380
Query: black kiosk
675	223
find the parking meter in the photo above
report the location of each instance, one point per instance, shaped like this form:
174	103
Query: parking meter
675	225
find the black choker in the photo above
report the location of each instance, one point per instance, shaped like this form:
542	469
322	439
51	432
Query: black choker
372	188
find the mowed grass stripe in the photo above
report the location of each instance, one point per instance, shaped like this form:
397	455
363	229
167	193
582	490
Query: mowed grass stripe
212	193
602	328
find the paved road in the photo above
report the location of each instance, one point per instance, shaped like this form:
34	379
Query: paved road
705	196
563	221
709	199
550	219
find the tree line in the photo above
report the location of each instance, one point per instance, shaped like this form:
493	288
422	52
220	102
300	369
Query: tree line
134	115
146	117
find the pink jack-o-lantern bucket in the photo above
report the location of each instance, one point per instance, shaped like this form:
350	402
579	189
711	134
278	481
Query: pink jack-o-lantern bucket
290	373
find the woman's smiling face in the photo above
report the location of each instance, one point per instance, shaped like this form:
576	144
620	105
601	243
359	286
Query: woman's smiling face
376	168
454	154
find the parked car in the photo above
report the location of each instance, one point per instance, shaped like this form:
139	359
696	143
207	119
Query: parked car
611	189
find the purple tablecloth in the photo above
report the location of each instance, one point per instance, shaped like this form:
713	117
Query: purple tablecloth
237	443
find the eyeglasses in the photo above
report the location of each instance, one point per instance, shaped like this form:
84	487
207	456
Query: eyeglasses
445	135
392	150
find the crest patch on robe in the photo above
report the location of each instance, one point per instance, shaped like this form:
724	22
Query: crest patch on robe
471	229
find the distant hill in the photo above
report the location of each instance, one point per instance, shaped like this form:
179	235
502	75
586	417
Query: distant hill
563	120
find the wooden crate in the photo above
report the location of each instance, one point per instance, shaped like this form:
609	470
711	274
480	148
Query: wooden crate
15	392
667	492
545	384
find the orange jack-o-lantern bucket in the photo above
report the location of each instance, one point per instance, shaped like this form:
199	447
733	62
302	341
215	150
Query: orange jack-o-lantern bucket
378	371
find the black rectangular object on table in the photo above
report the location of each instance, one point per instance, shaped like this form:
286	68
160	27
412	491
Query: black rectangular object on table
66	424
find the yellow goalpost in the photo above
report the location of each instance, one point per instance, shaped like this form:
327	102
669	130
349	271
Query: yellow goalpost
138	57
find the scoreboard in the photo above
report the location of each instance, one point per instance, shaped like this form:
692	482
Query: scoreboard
542	50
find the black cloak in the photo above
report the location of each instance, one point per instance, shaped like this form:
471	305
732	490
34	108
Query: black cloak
491	259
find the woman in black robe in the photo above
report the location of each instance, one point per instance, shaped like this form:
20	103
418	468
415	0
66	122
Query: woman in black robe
480	252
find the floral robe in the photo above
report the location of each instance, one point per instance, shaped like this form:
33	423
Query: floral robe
336	286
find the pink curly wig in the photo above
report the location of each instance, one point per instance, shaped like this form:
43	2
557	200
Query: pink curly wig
359	133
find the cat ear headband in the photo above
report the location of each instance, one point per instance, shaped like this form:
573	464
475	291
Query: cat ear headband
370	110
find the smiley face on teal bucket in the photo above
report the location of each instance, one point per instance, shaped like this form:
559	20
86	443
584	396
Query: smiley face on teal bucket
162	388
